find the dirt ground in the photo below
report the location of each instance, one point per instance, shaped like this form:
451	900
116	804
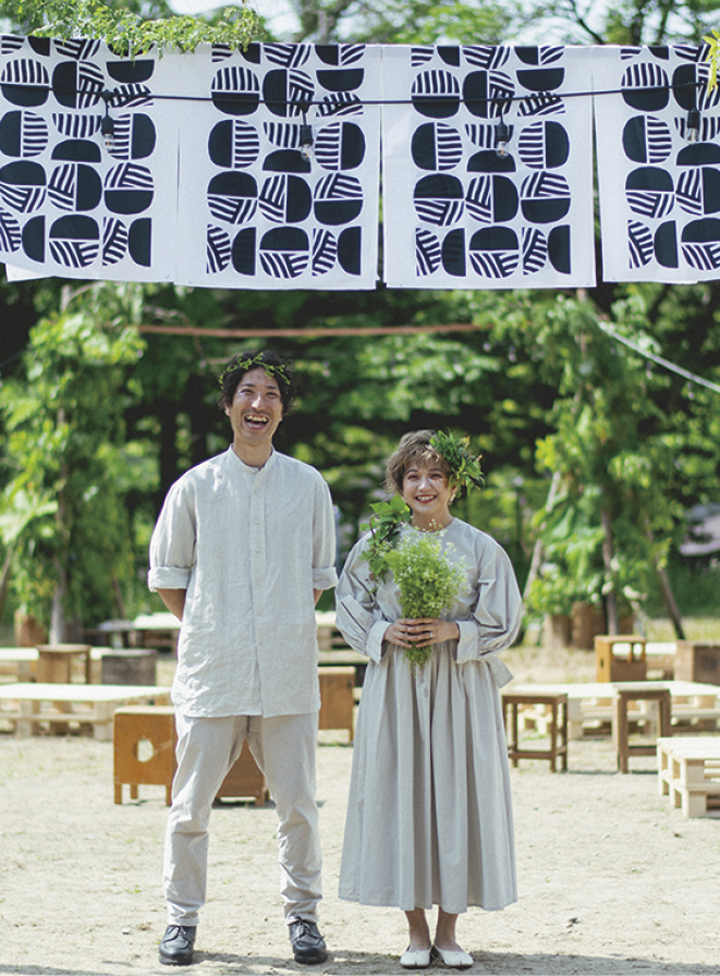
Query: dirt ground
612	880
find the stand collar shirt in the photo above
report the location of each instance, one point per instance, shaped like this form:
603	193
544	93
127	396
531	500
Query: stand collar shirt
249	545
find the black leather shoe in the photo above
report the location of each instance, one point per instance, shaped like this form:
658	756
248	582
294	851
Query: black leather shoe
176	946
308	945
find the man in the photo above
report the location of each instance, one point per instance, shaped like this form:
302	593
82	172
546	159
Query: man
243	547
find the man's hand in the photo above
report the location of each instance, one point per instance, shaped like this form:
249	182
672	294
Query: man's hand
174	600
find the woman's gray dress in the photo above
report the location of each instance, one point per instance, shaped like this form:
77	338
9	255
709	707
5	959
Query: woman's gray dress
429	816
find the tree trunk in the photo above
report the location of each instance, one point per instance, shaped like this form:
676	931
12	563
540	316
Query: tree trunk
669	598
537	555
611	598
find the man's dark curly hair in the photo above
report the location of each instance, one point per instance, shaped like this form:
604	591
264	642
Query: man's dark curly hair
280	369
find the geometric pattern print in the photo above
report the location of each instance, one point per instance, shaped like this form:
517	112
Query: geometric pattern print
281	181
472	213
658	181
72	204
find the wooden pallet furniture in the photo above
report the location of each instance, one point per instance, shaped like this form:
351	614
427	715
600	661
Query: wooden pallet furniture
18	663
337	708
28	705
557	705
689	772
144	741
630	665
622	696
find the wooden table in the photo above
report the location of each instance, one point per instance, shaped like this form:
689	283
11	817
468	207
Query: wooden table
644	691
26	705
590	703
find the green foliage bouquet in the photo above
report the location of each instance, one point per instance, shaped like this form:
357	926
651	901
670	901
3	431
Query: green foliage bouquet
427	582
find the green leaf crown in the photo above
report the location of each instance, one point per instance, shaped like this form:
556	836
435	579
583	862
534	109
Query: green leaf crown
245	363
464	467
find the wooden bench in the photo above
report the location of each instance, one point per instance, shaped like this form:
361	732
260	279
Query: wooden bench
557	704
631	665
28	705
689	772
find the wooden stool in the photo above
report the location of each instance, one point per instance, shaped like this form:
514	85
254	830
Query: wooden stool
54	665
244	779
558	726
648	691
609	667
337	699
129	666
133	725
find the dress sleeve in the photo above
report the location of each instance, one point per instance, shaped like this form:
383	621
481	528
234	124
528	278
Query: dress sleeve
497	614
172	545
324	572
359	619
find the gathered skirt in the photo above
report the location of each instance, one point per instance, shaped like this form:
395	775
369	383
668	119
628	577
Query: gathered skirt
429	817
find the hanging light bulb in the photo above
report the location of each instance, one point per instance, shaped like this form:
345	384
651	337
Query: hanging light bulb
692	125
306	132
502	137
107	126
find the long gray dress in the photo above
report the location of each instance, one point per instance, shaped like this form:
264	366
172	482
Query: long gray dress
429	816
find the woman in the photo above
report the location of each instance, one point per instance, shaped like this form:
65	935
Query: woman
429	814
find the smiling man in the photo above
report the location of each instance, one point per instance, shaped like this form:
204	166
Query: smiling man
243	547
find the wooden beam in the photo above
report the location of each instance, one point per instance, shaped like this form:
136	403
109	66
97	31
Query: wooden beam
308	333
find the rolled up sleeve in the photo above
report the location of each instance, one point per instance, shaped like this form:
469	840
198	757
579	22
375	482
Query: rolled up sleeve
324	574
172	546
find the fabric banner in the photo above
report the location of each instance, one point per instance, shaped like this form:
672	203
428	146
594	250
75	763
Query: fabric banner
75	202
658	164
487	167
261	207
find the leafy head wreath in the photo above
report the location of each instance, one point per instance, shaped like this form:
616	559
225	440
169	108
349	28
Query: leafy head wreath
269	361
465	470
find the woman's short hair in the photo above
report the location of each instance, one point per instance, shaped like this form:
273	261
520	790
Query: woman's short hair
280	369
414	448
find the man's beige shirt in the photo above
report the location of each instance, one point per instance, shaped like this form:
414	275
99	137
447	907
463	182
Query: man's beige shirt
249	545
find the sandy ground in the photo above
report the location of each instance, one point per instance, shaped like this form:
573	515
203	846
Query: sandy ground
611	878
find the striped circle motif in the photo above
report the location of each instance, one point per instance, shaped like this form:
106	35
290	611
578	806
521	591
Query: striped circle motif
647	139
284	252
340	146
436	146
640	244
698	191
22	186
650	192
338	199
428	253
232	197
545	198
235	91
9	232
114	241
494	252
234	145
439	199
285	199
23	134
75	187
129	188
219	249
700	244
25	82
74	241
645	87
544	145
436	94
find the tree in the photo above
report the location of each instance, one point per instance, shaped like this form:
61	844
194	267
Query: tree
63	508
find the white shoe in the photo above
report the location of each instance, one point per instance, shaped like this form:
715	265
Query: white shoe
415	958
453	958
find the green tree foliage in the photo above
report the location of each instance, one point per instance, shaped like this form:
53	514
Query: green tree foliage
63	508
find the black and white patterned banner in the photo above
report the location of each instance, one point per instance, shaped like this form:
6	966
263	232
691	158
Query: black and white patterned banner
73	204
279	178
488	170
658	164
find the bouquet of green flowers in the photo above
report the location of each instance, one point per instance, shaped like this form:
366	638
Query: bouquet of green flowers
427	582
